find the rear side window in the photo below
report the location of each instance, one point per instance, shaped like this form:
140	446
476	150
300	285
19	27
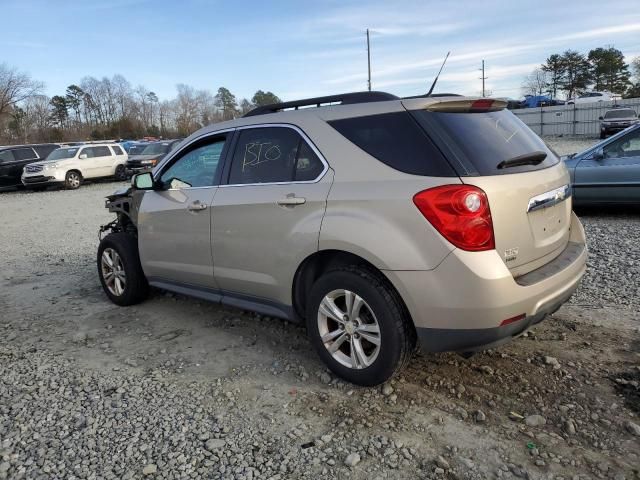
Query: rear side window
24	154
397	141
265	155
102	152
476	143
117	150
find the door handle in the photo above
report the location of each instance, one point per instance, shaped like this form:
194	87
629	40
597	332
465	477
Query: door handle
292	201
197	206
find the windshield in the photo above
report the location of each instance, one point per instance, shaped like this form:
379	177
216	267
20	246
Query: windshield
481	141
61	153
622	113
156	149
137	149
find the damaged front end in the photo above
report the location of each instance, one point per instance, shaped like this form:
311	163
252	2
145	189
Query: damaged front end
122	204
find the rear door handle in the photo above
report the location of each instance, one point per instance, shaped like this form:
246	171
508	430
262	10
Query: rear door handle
197	206
291	201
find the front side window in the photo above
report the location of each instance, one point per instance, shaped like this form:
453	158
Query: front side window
24	154
198	167
88	151
266	155
624	147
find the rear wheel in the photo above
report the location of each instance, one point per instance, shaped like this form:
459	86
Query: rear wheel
359	326
121	173
603	134
120	271
72	180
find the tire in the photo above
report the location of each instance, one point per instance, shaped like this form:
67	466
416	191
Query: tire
120	173
380	306
122	250
72	180
603	135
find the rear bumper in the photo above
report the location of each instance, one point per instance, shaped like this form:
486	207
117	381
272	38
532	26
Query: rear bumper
461	304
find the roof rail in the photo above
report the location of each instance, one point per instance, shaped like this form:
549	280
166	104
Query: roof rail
342	99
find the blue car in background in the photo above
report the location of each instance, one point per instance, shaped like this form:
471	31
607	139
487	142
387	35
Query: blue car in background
608	172
533	101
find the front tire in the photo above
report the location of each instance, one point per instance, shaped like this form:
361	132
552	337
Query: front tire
72	180
603	135
120	271
359	326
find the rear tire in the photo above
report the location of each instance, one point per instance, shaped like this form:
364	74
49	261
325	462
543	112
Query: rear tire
603	135
121	173
72	180
377	335
120	271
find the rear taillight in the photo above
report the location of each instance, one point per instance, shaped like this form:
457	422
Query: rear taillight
460	213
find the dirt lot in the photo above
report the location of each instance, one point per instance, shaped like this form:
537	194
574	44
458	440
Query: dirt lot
177	388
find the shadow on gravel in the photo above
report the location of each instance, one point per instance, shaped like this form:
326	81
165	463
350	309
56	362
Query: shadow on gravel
609	211
627	383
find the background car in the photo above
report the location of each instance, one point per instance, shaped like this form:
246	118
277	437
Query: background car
593	97
533	101
150	156
14	158
609	171
69	166
617	119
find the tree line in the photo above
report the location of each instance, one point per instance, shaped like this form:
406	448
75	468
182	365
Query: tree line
96	109
572	73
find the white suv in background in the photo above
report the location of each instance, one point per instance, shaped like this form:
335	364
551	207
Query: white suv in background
69	166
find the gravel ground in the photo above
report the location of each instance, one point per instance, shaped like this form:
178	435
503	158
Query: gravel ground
178	388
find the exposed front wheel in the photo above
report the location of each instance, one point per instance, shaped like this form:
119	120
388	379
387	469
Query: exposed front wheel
359	326
120	271
72	180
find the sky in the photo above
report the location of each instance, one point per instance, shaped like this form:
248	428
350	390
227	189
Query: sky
299	49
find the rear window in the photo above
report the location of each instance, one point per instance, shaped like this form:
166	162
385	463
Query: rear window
476	143
397	141
627	113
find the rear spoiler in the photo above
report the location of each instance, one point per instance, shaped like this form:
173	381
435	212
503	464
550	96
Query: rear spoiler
459	105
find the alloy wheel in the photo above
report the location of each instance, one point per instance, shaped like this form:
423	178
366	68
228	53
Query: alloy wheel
113	271
349	329
74	180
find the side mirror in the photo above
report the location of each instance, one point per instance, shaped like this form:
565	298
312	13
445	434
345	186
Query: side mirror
601	118
598	154
82	156
142	181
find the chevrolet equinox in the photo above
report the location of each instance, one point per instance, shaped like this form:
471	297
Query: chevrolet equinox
382	223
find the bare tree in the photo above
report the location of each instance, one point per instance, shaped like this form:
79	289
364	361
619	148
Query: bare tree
15	87
536	83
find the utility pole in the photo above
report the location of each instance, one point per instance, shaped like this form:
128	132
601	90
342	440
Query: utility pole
483	78
368	62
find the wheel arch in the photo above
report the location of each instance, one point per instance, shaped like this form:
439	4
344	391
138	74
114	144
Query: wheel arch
316	264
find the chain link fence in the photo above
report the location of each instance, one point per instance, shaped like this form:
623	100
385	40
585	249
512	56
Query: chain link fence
580	119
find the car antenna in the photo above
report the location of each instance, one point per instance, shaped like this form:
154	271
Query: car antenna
435	80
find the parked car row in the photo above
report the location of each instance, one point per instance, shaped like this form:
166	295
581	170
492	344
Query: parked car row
535	101
39	166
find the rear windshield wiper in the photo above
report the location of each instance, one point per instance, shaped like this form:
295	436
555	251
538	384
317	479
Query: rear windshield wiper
533	158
